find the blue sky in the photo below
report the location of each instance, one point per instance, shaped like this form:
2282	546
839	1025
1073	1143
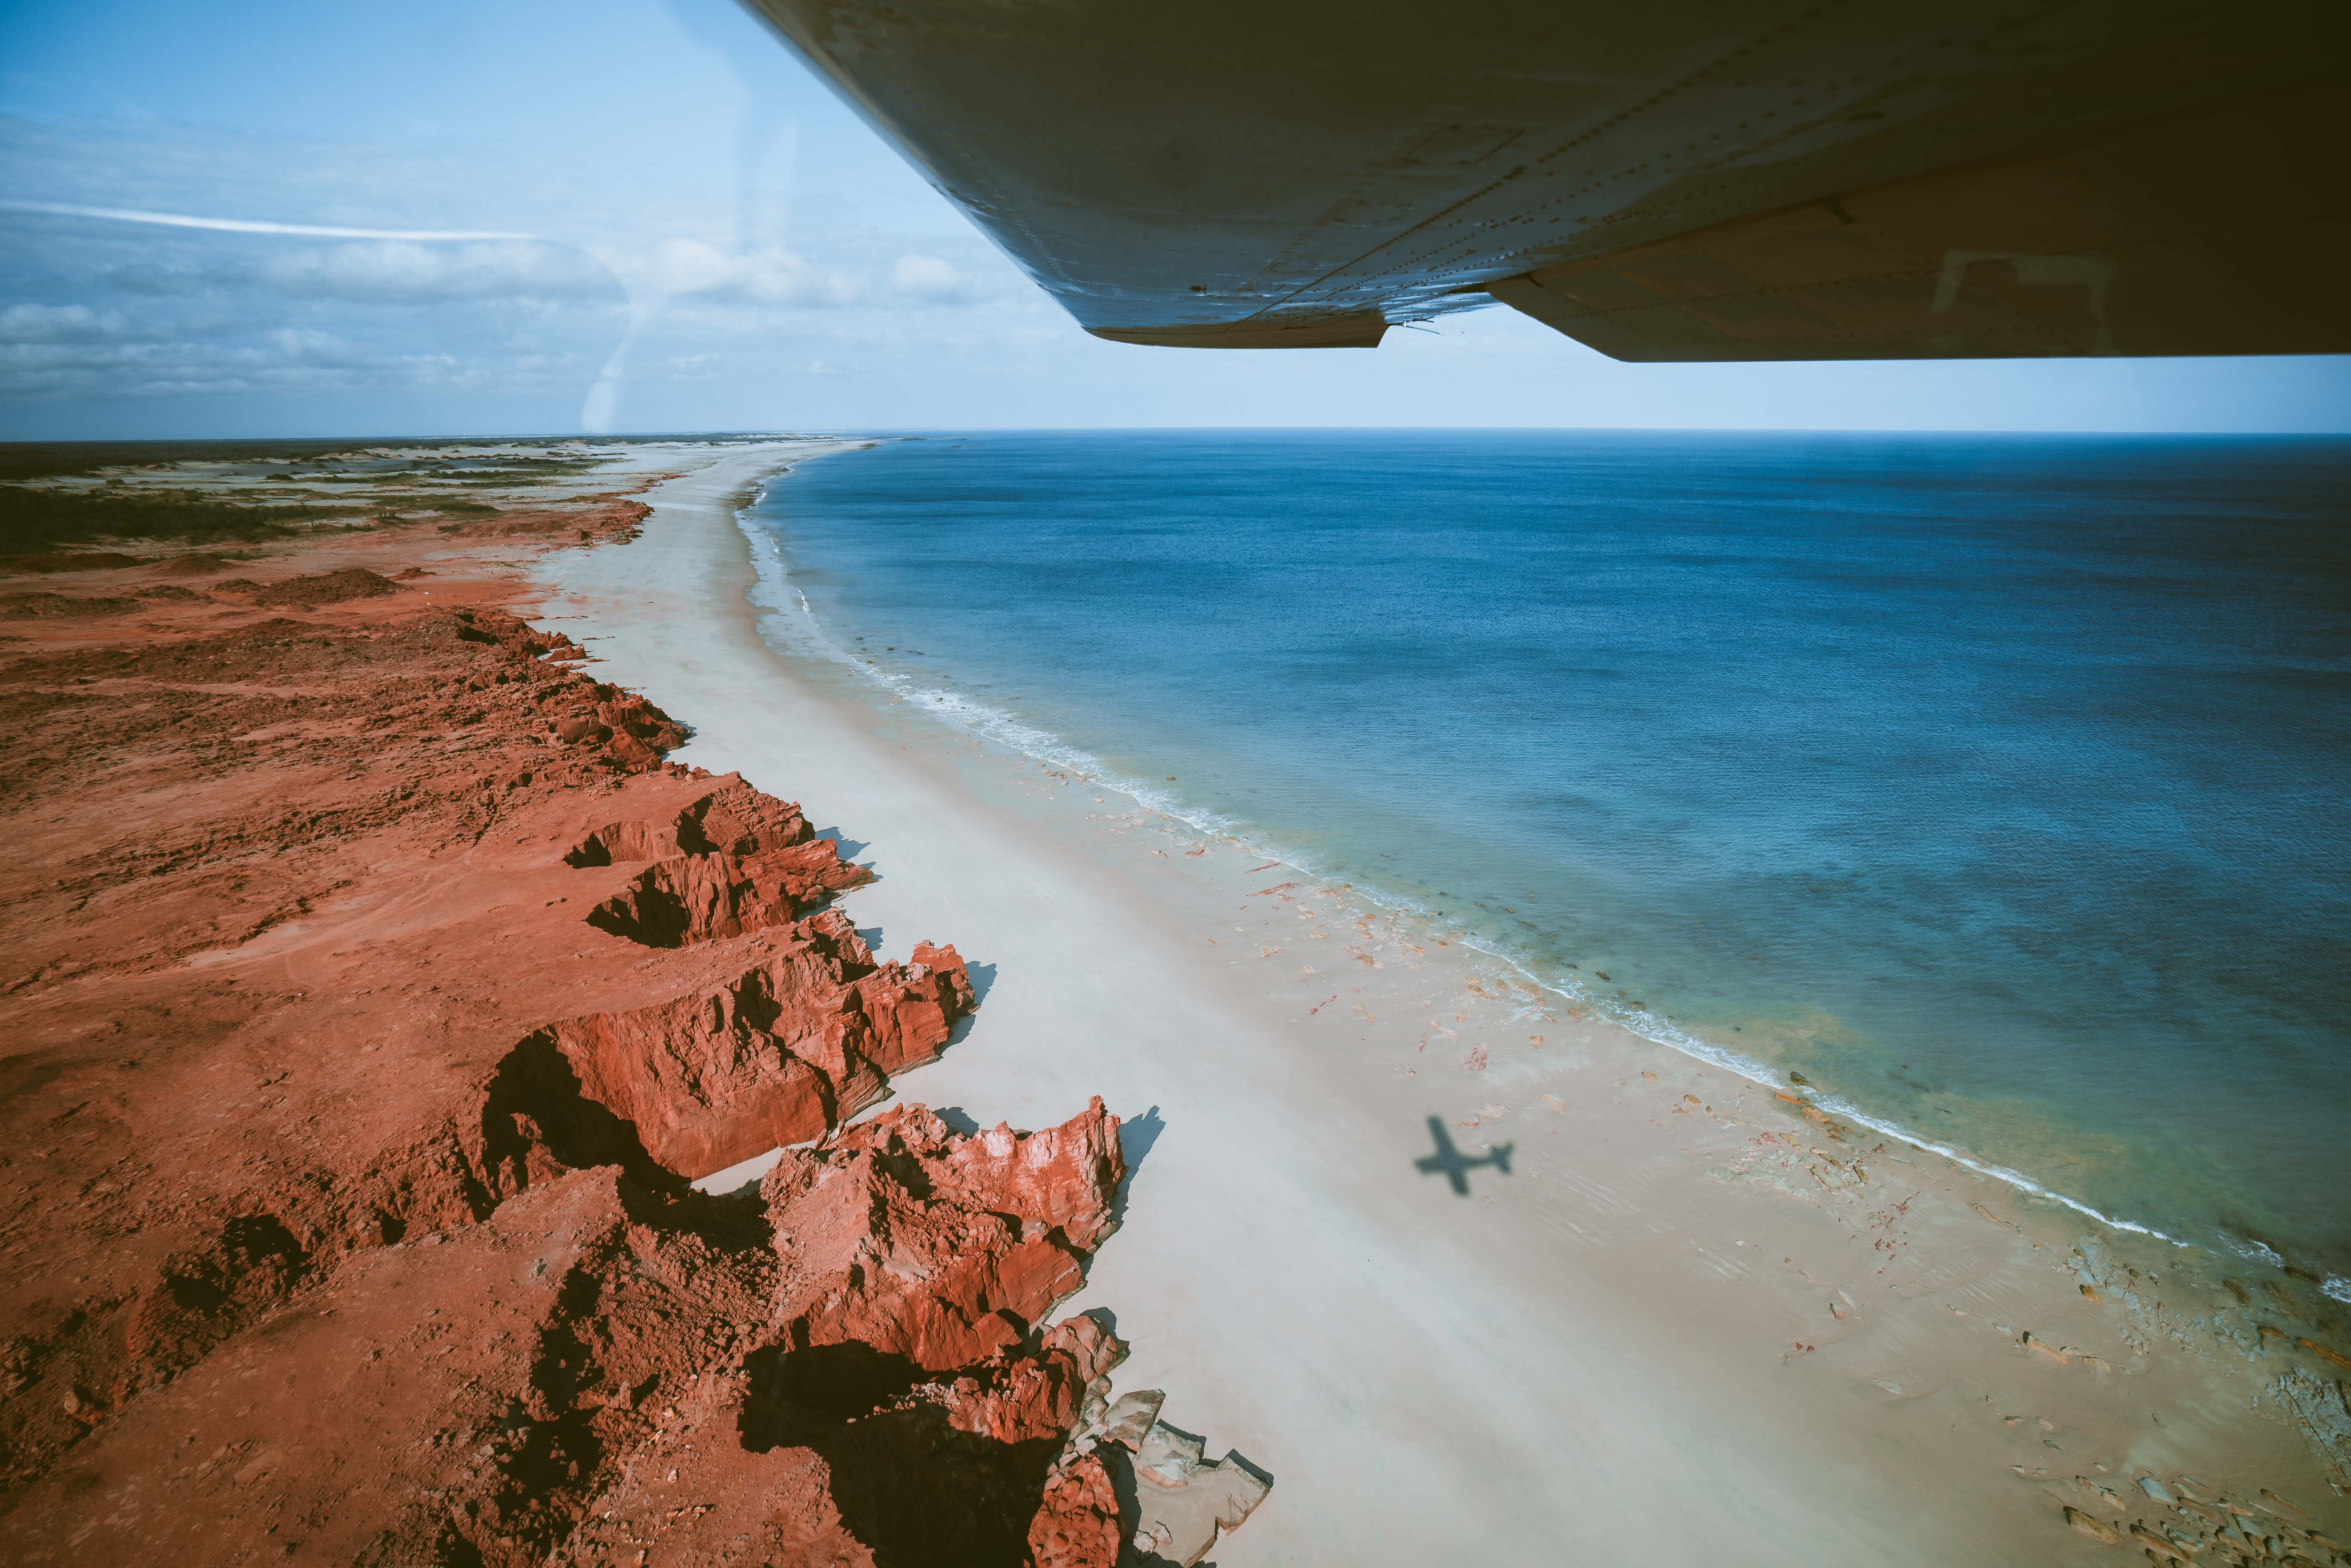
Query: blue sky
690	232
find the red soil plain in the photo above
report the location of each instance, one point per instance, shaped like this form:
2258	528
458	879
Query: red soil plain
373	992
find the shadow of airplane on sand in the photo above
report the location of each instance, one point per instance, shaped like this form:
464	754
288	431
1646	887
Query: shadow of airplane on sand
1454	1164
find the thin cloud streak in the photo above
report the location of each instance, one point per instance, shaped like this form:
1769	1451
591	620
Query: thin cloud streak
246	225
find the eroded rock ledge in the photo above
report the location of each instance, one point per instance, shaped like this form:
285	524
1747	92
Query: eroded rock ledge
375	991
839	1366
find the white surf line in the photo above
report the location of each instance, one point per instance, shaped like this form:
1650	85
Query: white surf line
949	707
1039	745
1660	1031
245	225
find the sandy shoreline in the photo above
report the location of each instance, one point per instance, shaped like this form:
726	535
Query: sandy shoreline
1685	1322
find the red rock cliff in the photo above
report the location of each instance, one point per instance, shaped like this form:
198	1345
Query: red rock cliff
374	990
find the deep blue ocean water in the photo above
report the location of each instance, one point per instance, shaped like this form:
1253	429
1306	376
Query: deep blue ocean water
1998	784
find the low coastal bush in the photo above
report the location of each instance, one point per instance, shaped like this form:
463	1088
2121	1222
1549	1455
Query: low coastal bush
35	519
22	460
448	506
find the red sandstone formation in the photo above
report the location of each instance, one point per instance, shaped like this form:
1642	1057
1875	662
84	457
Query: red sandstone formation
594	1370
372	992
782	1053
934	1247
1077	1519
731	819
730	862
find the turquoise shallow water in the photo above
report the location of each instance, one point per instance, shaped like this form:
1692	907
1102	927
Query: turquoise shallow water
1998	784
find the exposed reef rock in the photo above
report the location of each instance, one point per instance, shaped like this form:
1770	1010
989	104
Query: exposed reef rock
1184	1500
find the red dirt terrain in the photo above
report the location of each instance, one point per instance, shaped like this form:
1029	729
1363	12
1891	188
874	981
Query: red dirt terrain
372	992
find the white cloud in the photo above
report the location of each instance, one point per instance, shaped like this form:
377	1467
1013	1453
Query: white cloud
59	324
927	277
308	346
692	269
401	272
654	274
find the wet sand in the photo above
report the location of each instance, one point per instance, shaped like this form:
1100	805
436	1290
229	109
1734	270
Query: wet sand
1662	1315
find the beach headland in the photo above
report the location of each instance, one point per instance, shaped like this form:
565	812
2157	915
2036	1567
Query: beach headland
387	976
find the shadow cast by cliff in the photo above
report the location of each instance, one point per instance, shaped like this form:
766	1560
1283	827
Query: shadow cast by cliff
983	979
1136	1137
914	1488
849	848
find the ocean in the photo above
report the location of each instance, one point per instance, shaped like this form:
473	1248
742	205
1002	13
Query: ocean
1997	784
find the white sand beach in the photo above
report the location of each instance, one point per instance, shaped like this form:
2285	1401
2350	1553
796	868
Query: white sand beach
1683	1323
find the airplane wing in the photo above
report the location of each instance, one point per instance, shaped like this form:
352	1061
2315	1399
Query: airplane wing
1668	180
